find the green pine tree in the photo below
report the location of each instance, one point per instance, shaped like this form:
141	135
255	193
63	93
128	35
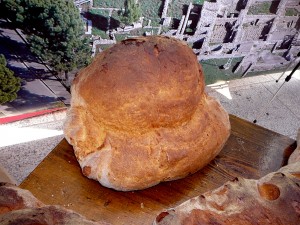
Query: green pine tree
54	31
9	84
132	12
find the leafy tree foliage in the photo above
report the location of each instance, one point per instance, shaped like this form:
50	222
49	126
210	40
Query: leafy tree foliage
54	31
9	84
131	13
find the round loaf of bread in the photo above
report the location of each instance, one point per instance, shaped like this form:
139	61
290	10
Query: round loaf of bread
139	115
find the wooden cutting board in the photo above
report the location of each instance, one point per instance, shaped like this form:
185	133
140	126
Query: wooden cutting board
250	152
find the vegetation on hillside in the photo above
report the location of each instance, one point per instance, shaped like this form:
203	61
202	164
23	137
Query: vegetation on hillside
54	31
9	84
213	70
262	8
151	10
291	12
132	12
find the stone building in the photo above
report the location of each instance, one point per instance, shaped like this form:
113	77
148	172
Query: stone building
265	33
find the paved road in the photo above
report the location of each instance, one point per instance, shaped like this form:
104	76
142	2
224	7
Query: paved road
40	89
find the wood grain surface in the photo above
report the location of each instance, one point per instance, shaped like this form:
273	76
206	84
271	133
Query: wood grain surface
250	152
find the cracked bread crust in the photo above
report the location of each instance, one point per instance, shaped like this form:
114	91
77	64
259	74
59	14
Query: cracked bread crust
273	199
139	115
14	198
46	215
19	206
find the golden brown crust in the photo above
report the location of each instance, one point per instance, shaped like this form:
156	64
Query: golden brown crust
139	115
166	153
142	89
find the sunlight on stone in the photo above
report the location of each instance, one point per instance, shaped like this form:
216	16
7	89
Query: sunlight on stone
222	88
16	135
296	75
